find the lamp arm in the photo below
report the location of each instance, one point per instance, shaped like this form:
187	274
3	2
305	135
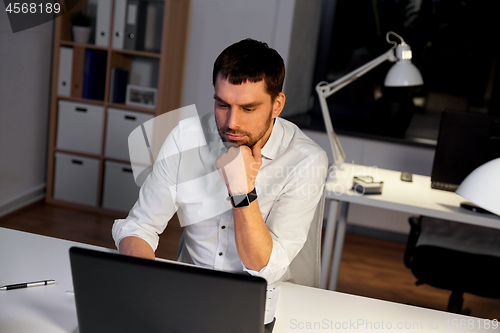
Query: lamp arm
337	150
325	90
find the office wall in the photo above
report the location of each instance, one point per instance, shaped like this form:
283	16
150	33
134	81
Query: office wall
25	69
215	24
289	26
302	56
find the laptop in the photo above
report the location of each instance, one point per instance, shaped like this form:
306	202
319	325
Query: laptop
117	293
465	141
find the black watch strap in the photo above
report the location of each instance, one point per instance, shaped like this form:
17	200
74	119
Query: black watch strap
243	200
252	195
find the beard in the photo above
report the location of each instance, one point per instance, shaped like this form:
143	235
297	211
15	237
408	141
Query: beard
251	138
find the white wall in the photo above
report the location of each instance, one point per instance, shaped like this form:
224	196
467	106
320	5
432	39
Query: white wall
25	69
216	24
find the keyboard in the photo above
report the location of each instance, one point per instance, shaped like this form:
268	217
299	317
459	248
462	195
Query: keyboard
444	186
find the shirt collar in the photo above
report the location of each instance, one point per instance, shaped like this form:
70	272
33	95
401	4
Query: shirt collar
270	149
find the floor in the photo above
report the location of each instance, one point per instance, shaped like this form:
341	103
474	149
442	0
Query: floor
370	267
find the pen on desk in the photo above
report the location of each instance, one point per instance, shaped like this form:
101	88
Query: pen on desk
27	284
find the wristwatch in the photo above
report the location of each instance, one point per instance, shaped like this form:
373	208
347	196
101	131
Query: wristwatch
243	200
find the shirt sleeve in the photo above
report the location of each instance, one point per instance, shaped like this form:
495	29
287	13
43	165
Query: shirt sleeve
157	199
291	216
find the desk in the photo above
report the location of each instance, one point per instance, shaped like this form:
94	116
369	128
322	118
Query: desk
26	257
416	198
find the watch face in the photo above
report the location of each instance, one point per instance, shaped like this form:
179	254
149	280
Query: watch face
240	200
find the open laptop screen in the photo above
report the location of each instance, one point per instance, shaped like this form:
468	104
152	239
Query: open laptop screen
116	293
466	141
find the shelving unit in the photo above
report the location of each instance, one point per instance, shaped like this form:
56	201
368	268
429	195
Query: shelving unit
71	181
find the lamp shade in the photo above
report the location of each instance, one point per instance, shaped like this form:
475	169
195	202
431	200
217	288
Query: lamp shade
482	186
403	74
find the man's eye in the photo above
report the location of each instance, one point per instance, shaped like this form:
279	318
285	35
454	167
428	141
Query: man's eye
223	106
248	110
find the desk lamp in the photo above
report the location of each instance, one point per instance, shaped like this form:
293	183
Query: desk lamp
402	74
482	186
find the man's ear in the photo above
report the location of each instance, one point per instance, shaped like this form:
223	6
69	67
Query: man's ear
278	104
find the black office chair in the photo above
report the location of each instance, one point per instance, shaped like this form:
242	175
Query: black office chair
454	256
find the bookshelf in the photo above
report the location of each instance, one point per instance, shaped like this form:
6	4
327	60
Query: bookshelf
86	105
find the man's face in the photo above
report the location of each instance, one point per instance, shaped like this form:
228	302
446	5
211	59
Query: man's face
244	112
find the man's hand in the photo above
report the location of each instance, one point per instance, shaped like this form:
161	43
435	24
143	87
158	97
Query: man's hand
238	167
136	247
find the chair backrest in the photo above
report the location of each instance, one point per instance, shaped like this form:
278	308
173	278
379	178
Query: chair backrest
306	266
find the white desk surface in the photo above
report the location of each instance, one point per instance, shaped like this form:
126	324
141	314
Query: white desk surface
416	197
27	257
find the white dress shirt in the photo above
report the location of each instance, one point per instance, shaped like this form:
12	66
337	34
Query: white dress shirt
185	180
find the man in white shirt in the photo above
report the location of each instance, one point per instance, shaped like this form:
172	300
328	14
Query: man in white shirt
244	182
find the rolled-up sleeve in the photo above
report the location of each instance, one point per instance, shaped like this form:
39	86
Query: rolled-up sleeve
291	215
157	199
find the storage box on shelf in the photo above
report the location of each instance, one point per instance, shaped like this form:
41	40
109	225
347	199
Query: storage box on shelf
120	124
76	179
120	191
140	43
79	127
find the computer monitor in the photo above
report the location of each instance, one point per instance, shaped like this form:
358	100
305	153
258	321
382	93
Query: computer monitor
465	141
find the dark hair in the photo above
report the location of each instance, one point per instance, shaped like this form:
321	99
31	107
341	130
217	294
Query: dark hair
253	61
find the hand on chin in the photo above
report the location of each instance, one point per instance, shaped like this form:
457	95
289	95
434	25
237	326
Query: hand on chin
238	167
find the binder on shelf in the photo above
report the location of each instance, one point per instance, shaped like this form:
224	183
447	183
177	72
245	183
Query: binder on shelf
92	12
154	26
119	24
131	24
94	78
65	66
103	22
111	84
141	25
77	73
118	86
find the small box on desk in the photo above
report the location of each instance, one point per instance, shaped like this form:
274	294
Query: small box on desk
366	185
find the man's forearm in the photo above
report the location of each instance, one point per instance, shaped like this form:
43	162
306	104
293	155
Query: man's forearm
253	240
136	247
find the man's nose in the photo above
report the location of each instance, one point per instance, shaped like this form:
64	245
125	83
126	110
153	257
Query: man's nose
233	118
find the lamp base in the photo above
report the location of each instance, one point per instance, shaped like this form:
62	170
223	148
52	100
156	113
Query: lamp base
474	208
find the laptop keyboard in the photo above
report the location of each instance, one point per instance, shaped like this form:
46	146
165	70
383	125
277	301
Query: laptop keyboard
444	186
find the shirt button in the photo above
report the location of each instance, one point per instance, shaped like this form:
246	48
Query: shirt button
220	253
223	227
